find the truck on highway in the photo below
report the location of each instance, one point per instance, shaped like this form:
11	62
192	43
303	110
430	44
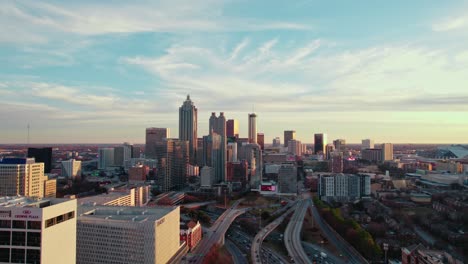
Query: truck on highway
323	254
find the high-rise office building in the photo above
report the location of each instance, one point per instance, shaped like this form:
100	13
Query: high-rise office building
43	155
367	144
38	230
287	178
252	128
120	234
71	169
337	162
232	149
289	135
387	151
20	176
276	142
172	160
261	140
188	127
119	156
154	136
295	147
218	150
106	158
372	154
340	144
343	188
232	128
320	141
329	148
253	154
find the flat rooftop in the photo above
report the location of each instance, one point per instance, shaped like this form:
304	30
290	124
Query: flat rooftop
21	201
101	199
123	213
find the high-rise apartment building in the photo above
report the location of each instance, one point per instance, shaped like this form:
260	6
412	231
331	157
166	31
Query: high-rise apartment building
253	154
21	177
320	141
329	148
374	155
387	151
252	128
289	135
43	155
109	234
337	162
367	144
218	149
154	136
71	169
232	128
123	154
106	158
37	230
340	144
344	188
261	140
287	178
232	150
188	127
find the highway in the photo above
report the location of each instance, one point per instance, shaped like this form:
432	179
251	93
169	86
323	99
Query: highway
346	249
218	230
292	235
258	240
236	253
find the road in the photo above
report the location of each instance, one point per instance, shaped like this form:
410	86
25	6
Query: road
216	233
258	240
292	235
314	251
347	250
236	253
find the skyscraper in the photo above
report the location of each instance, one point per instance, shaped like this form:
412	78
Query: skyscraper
154	136
232	128
276	142
367	144
261	140
218	127
329	148
320	141
43	155
387	151
172	156
336	162
71	169
287	178
21	177
252	128
289	135
295	147
188	126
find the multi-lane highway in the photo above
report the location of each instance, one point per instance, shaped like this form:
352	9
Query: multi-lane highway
258	240
347	250
292	235
216	232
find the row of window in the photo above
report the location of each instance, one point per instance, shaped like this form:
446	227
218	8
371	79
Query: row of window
16	255
18	238
17	224
59	219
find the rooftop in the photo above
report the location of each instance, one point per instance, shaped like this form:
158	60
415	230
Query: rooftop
124	213
20	201
102	198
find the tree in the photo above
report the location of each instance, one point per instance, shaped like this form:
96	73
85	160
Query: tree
265	215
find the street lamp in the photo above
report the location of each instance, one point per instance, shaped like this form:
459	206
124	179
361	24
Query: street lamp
385	247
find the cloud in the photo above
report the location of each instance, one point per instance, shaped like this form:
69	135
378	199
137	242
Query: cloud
239	48
450	24
38	21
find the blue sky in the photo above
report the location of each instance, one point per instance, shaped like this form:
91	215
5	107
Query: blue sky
87	72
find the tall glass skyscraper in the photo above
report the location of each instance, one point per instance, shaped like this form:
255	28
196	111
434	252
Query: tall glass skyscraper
218	155
188	118
253	128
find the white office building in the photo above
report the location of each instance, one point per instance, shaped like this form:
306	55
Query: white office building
121	235
71	169
106	158
344	188
37	230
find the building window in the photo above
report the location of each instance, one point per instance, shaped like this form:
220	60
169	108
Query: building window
50	222
5	255
18	239
17	255
19	224
34	225
33	256
34	239
5	237
5	223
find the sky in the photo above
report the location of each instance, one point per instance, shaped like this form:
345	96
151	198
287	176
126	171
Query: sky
103	71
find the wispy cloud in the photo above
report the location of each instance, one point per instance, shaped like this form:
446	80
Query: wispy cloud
453	23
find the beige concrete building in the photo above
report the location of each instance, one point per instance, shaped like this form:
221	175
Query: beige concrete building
131	196
121	235
50	188
21	177
37	230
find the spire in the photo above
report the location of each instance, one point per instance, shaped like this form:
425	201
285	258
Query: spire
188	97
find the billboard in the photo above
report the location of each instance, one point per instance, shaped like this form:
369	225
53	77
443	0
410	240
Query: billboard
268	188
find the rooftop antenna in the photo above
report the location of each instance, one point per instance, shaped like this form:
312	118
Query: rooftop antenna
28	134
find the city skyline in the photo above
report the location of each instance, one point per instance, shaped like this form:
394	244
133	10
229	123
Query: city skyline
78	76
